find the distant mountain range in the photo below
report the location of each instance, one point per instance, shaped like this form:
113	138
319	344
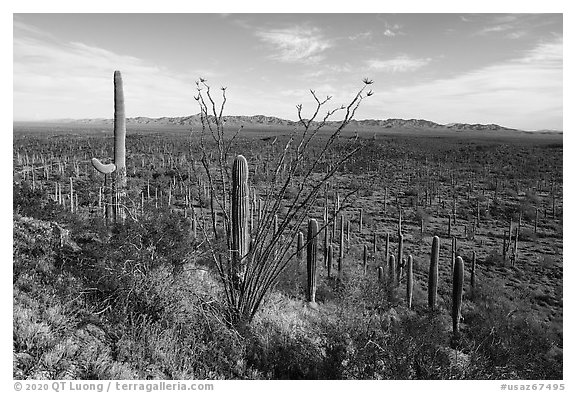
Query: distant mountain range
261	120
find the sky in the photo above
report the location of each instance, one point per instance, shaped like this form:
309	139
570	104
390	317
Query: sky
471	68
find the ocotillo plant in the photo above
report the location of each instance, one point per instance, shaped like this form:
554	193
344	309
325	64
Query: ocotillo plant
240	207
269	255
312	254
275	226
457	288
409	281
433	273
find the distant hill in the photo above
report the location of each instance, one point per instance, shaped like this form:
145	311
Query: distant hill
261	120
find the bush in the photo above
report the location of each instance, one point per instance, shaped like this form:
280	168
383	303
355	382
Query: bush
116	310
494	258
29	203
513	343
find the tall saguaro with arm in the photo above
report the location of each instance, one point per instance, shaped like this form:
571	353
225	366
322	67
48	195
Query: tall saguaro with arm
118	168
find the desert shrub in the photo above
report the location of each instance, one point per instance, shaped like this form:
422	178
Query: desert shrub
29	203
292	281
278	353
117	269
421	214
493	258
188	340
412	192
291	192
510	192
369	221
126	314
515	345
527	235
531	198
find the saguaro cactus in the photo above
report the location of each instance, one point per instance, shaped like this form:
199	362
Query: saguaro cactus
119	165
473	271
433	273
515	249
300	246
453	251
400	248
365	259
391	271
240	209
409	281
325	248
387	247
71	196
312	254
457	287
329	262
504	247
341	250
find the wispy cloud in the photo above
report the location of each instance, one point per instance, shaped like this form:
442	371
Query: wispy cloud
392	30
361	36
398	64
516	35
547	54
73	79
525	92
298	44
511	26
494	29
